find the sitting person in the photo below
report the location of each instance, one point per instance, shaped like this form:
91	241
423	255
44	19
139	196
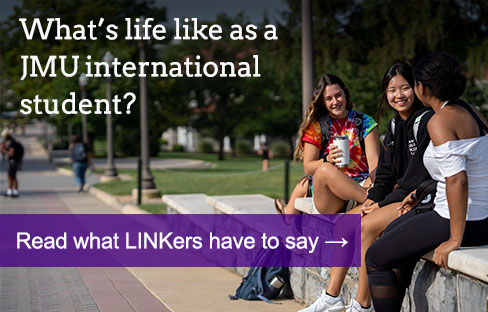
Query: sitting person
330	114
456	155
400	165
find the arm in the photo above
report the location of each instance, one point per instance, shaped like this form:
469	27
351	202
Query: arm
415	173
385	178
441	131
10	152
372	146
311	159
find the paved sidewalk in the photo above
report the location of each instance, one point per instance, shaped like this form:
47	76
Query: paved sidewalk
44	190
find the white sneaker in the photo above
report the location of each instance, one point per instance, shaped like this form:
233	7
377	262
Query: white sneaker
326	303
356	307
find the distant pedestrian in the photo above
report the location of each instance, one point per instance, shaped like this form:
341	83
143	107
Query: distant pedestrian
266	154
14	152
81	158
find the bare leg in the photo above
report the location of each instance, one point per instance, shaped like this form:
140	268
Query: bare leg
372	225
331	188
338	274
299	191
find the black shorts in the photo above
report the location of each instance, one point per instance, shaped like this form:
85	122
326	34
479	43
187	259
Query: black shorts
13	166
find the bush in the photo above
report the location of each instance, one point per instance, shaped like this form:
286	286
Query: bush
281	149
178	148
205	145
243	147
126	142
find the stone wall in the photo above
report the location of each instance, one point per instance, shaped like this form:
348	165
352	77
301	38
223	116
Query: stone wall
432	288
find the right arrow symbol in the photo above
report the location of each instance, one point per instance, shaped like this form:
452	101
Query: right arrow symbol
343	242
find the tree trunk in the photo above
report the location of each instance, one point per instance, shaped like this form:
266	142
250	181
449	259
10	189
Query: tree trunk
233	146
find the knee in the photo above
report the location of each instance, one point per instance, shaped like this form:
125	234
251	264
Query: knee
367	230
324	173
371	258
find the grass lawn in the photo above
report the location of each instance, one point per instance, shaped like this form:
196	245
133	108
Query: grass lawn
235	175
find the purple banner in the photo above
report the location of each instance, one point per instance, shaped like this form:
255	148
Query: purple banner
218	240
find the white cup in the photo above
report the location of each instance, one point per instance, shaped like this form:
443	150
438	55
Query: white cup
342	142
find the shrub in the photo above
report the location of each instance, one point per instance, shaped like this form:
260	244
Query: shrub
205	145
281	149
178	148
243	147
126	142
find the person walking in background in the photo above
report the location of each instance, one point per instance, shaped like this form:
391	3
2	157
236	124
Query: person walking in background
266	153
14	152
81	158
455	158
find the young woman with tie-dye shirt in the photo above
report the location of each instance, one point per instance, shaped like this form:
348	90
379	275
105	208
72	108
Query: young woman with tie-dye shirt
333	187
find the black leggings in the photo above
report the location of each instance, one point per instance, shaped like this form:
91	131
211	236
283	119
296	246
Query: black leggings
391	259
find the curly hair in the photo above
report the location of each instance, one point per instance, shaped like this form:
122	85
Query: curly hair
317	107
399	68
442	75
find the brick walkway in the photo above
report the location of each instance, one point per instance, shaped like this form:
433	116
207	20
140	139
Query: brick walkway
43	190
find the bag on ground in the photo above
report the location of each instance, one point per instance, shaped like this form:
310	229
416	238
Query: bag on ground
263	283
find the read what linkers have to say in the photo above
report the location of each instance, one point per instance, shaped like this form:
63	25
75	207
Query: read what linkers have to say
190	66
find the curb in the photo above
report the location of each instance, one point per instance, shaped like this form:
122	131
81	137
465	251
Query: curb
113	202
64	171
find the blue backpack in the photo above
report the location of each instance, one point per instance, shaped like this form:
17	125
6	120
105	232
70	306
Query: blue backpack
258	284
80	153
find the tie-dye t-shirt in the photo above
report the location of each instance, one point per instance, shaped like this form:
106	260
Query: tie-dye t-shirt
358	167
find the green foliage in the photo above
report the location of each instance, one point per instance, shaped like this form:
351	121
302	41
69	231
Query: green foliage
243	147
127	142
178	148
280	149
205	145
235	175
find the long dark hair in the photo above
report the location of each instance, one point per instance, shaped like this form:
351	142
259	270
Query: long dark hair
317	107
399	68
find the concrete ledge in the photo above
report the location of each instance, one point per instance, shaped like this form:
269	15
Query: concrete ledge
242	204
305	205
188	204
467	261
472	261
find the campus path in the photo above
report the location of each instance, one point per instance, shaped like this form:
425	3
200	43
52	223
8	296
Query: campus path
44	190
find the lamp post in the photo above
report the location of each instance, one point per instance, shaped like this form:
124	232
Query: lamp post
147	178
83	81
307	55
110	173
